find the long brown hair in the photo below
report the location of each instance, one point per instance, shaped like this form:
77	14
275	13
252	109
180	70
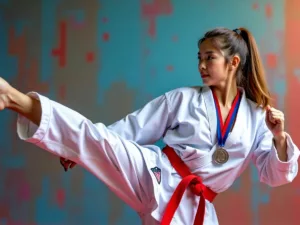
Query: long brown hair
250	73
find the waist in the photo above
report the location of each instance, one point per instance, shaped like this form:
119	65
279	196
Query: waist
191	181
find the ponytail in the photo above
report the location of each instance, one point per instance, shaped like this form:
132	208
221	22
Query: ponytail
255	84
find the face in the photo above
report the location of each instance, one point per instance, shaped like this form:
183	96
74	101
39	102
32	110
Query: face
212	65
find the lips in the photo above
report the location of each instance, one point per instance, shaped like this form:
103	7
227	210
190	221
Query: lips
204	75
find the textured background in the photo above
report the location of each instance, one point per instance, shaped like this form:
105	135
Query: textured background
106	59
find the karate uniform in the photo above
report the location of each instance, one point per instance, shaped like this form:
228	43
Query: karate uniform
124	157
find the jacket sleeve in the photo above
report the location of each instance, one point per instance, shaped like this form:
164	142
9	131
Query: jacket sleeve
146	125
271	170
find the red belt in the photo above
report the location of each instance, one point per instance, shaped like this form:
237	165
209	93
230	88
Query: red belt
188	180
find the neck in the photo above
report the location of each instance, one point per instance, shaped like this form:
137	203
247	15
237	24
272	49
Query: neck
226	93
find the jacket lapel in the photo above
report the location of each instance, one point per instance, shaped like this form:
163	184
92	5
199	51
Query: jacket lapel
239	125
240	122
211	112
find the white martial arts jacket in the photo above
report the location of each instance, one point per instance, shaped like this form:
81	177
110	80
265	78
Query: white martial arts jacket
124	157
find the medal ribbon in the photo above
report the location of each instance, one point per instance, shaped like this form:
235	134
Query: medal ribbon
223	129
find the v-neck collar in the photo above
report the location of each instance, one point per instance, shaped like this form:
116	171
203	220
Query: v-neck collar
239	125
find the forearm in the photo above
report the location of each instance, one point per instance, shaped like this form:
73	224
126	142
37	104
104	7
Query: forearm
281	147
24	105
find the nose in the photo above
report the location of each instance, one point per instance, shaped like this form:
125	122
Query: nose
201	66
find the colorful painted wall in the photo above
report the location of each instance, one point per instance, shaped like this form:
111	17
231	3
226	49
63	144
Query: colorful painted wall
106	59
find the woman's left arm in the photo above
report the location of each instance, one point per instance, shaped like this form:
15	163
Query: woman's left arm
275	156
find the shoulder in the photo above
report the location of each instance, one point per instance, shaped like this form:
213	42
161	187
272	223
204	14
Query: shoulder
258	113
183	93
184	98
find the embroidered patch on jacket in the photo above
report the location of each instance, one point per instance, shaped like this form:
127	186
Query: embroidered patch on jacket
157	173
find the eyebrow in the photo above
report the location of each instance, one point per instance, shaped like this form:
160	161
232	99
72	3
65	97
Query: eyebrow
208	52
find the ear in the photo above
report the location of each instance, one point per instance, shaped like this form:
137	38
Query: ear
235	62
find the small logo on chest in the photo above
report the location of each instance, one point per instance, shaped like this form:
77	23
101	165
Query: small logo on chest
157	173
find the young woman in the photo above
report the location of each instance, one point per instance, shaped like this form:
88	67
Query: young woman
211	133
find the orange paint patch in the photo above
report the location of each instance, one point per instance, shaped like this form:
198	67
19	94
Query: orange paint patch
105	36
90	57
152	10
272	60
24	192
60	197
62	92
104	19
255	6
27	69
170	68
60	51
269	10
175	38
292	49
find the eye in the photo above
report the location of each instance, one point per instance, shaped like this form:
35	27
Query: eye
209	57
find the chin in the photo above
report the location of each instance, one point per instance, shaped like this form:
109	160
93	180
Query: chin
206	83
